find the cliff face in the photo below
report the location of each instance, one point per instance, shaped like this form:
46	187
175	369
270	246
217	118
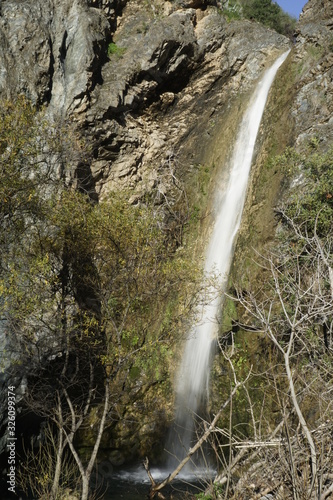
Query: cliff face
147	82
313	105
157	87
51	51
297	119
150	86
171	65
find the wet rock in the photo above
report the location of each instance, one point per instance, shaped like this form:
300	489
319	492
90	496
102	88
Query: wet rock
116	458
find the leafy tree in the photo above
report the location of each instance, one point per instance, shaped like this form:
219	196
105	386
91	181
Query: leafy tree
268	13
264	11
84	286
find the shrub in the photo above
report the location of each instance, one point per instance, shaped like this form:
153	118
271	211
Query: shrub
115	50
270	14
311	200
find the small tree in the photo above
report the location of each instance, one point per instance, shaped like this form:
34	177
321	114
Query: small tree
270	14
101	275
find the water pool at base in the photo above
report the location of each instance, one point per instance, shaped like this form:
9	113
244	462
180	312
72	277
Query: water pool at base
133	483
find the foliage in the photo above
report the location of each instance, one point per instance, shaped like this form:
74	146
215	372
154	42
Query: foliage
115	50
85	287
266	12
31	223
137	271
111	261
232	10
311	198
270	14
20	174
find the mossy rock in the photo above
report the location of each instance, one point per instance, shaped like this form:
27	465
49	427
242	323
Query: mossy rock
116	458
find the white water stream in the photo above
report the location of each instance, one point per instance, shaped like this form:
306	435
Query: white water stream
193	378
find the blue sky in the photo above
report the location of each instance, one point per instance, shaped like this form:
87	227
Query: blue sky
293	7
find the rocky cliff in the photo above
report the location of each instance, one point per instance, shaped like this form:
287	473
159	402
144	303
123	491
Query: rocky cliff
155	88
151	87
140	78
297	120
313	105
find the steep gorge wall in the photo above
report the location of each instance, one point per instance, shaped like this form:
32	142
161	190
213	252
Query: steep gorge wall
166	95
169	93
298	116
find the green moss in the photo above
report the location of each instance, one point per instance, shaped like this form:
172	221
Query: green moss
258	229
233	11
267	177
311	57
115	50
198	184
330	44
311	201
229	316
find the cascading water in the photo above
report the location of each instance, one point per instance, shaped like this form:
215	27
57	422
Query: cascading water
193	378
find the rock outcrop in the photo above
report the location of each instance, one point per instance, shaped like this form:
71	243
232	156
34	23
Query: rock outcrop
313	108
170	66
151	86
51	51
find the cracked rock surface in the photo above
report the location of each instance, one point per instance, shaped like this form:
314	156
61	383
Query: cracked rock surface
172	66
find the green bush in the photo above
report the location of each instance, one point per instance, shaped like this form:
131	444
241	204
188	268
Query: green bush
311	200
266	12
232	10
115	50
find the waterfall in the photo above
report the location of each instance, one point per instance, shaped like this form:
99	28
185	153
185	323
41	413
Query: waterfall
194	372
